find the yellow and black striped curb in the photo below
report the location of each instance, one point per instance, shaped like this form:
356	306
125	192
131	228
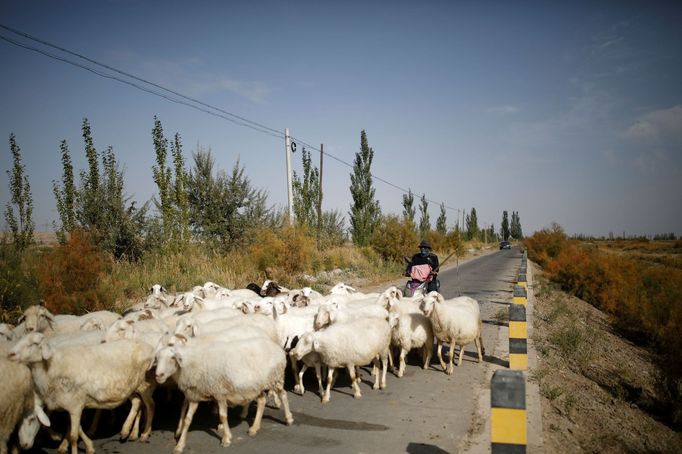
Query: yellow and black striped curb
508	412
520	295
518	337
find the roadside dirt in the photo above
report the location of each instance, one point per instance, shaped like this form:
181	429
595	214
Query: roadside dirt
598	390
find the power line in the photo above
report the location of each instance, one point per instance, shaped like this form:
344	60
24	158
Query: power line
245	120
220	113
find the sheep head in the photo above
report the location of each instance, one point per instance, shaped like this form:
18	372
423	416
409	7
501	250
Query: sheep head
120	329
32	348
37	319
166	364
303	346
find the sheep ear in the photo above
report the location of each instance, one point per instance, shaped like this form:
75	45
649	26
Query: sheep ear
21	319
45	350
244	307
439	298
316	344
40	413
163	290
195	329
294	342
178	357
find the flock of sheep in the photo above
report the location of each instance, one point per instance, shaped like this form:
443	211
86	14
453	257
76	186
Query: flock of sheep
213	344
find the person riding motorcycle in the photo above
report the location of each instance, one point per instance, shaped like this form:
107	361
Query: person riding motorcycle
423	267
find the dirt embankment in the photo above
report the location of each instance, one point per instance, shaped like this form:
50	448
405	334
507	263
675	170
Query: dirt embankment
598	390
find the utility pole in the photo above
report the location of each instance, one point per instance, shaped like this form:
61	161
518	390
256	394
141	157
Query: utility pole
290	191
319	200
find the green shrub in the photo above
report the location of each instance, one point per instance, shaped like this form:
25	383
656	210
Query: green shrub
18	280
394	238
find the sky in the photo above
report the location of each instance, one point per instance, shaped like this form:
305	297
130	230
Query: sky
567	112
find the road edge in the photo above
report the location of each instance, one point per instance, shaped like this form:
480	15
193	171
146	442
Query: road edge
478	439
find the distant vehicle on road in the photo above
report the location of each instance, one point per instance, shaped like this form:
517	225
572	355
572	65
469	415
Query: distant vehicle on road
505	245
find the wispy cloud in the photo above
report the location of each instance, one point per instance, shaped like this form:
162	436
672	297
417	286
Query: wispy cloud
655	138
503	109
191	77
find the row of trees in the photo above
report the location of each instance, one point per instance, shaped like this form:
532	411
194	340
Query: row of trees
206	204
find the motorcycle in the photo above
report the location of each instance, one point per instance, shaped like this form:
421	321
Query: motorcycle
414	286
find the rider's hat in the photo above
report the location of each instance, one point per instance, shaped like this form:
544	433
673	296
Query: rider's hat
424	244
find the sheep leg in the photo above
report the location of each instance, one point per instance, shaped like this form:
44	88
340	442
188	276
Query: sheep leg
135	432
390	359
149	406
75	419
318	374
89	446
245	411
451	368
427	352
479	348
401	369
384	368
183	411
294	370
64	445
377	377
356	388
288	417
191	409
95	421
255	427
461	354
299	387
132	414
330	380
440	355
222	414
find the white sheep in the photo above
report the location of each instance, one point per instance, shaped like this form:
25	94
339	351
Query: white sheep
350	344
393	300
233	373
328	314
249	326
40	319
79	377
409	331
456	322
17	403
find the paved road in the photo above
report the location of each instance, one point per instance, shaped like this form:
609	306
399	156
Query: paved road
426	411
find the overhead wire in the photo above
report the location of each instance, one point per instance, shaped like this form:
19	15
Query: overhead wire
186	100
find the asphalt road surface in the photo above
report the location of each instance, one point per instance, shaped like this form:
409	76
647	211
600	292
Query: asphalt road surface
425	411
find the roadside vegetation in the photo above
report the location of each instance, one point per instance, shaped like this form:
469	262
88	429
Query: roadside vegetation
204	224
638	283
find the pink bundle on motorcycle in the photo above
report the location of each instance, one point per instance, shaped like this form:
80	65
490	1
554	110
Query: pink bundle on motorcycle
420	272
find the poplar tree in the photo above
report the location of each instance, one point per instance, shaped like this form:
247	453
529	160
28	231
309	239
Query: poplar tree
65	195
516	231
424	221
472	225
306	192
180	197
504	228
441	223
90	213
162	177
408	206
21	227
365	212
